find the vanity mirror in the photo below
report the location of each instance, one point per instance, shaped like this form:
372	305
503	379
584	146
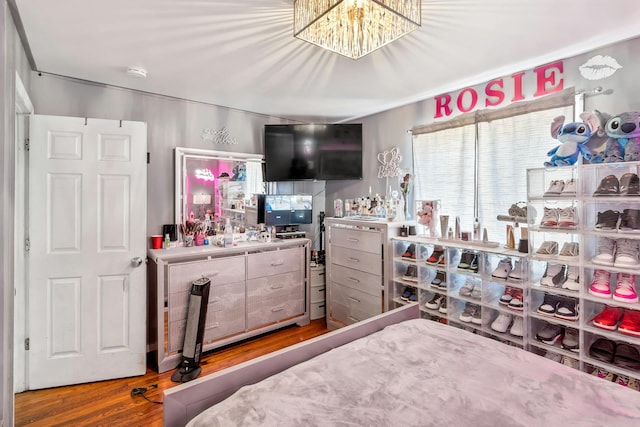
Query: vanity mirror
215	183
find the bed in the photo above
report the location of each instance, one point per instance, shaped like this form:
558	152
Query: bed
398	369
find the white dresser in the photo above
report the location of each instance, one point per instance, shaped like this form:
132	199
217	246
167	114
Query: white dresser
358	268
255	288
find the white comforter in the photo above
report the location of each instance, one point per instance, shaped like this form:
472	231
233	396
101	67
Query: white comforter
421	373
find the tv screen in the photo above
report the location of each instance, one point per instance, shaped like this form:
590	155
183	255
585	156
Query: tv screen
288	209
313	152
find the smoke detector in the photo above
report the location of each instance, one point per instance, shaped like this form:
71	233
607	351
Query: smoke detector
137	72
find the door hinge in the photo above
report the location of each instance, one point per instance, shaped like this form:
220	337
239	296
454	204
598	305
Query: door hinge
27	244
26	344
26	144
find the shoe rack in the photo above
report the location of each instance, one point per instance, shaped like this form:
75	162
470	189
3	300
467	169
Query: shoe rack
557	314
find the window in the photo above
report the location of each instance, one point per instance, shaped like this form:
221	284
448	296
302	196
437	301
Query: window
478	167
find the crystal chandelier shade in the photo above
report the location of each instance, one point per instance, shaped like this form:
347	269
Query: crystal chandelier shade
354	28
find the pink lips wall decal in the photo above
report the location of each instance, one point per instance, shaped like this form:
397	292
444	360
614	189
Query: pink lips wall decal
599	67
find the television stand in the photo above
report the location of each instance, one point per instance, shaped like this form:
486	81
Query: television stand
289	232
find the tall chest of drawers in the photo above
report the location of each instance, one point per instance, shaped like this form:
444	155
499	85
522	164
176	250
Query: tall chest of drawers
357	268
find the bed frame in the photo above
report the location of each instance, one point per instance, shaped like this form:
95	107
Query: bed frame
184	402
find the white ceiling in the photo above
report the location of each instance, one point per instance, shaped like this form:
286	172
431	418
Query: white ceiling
242	53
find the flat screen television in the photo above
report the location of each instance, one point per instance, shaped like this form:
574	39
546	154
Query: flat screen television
287	209
312	152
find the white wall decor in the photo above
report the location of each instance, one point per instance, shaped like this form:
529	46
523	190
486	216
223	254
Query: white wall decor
220	137
599	67
390	160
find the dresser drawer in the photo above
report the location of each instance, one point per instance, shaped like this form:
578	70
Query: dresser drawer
279	286
363	261
317	276
359	240
350	305
219	270
317	294
317	310
228	297
222	324
275	262
262	312
356	279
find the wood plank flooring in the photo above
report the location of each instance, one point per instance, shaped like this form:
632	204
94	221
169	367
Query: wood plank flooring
109	403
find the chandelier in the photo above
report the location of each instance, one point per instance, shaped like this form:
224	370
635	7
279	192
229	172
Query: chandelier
354	28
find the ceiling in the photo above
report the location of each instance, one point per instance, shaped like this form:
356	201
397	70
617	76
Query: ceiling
242	53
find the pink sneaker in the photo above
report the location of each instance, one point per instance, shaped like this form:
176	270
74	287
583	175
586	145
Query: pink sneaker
600	286
625	288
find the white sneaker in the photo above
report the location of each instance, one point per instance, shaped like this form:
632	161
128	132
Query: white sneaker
606	251
625	288
550	217
554	276
555	188
516	274
567	218
502	322
573	278
626	254
503	269
569	250
569	188
570	362
517	329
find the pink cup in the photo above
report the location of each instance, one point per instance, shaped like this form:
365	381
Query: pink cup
156	242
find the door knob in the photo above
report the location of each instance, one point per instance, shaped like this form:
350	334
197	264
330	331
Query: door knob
136	262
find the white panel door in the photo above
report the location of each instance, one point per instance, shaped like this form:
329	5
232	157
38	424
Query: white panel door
87	230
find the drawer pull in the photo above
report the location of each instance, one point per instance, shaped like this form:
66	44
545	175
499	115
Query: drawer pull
353	279
321	290
212	274
353	239
276	309
354	319
353	259
354	299
214	300
321	274
277	264
274	287
215	325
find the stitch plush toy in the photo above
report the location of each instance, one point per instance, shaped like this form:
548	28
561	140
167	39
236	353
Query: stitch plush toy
239	172
573	137
623	131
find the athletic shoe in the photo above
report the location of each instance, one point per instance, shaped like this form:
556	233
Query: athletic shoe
629	185
555	188
412	274
609	186
600	285
628	382
570	362
438	253
406	294
626	254
549	305
502	322
468	312
571	341
476	293
517	329
567	217
413	297
466	289
477	316
466	259
625	288
505	299
573	279
516	300
440	281
503	269
607	220
569	250
550	334
630	221
548	247
443	307
556	357
630	324
435	302
410	253
627	356
554	276
550	217
605	375
608	318
569	188
606	252
515	275
567	309
473	265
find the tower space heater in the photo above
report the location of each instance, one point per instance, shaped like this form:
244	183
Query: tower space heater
189	367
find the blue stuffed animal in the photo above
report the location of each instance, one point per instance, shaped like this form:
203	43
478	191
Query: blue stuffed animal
239	172
573	137
623	131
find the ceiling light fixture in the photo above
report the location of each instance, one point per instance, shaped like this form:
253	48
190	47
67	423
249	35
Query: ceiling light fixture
354	28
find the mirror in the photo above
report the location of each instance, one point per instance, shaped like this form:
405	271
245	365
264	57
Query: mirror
215	185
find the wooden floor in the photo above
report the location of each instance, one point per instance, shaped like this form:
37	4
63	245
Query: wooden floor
109	403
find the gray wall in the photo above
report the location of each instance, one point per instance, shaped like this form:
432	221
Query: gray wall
14	60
